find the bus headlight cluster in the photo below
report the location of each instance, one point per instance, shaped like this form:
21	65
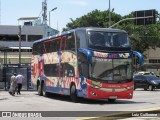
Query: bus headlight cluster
129	87
130	94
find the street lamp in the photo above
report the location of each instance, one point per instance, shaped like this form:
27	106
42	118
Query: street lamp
49	14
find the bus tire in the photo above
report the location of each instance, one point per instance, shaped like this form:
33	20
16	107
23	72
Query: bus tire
39	90
111	100
43	92
73	93
38	84
46	94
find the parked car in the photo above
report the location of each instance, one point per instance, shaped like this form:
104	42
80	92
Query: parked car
150	82
144	73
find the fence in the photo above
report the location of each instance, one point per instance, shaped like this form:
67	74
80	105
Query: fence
7	71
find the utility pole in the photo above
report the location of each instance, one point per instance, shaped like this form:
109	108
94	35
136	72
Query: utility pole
44	13
44	16
19	35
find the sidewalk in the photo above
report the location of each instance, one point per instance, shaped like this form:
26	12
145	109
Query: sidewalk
4	95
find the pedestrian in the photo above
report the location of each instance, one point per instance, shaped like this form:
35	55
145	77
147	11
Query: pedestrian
13	85
20	79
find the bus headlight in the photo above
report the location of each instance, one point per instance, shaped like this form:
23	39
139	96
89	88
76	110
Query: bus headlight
129	87
130	94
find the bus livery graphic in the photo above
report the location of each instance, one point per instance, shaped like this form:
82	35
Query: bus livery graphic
93	63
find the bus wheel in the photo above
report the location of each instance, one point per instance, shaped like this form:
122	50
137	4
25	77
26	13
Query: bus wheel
43	92
111	100
46	94
38	85
39	90
73	93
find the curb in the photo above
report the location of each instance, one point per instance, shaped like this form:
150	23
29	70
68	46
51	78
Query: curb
126	114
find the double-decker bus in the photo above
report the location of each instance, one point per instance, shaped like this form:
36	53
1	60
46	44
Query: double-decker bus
93	63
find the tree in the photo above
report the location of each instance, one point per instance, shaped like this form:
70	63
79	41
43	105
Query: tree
142	37
96	18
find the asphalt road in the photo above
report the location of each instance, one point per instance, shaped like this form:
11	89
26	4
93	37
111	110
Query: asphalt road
61	106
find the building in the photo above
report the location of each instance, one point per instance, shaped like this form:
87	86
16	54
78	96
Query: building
10	40
152	60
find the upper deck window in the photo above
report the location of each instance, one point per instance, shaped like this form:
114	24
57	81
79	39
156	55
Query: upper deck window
108	39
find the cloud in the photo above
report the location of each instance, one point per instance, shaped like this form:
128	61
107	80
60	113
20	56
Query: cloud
78	2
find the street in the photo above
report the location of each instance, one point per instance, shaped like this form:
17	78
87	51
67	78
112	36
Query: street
30	101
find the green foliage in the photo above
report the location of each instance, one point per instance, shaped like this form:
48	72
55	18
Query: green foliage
142	37
95	18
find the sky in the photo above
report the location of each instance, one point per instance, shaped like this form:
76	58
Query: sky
12	10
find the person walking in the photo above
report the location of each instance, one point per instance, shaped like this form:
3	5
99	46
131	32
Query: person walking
13	85
20	79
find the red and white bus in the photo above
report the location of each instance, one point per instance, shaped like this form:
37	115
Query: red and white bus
93	63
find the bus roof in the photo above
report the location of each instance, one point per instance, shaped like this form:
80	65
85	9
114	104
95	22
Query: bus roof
81	28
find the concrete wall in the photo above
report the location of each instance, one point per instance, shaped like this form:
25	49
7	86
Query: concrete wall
13	57
15	44
152	54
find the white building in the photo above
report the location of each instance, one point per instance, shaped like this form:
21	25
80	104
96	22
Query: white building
9	41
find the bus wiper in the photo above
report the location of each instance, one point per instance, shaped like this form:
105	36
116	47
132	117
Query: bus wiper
98	45
95	77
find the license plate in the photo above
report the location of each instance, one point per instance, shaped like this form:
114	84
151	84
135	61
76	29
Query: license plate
113	97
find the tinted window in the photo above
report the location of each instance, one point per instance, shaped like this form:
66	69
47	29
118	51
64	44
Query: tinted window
52	45
61	70
122	69
151	77
83	65
51	70
111	69
96	39
140	78
38	48
64	43
34	49
81	39
70	42
108	40
102	69
67	70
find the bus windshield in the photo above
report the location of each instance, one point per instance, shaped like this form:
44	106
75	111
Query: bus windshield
99	39
111	69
